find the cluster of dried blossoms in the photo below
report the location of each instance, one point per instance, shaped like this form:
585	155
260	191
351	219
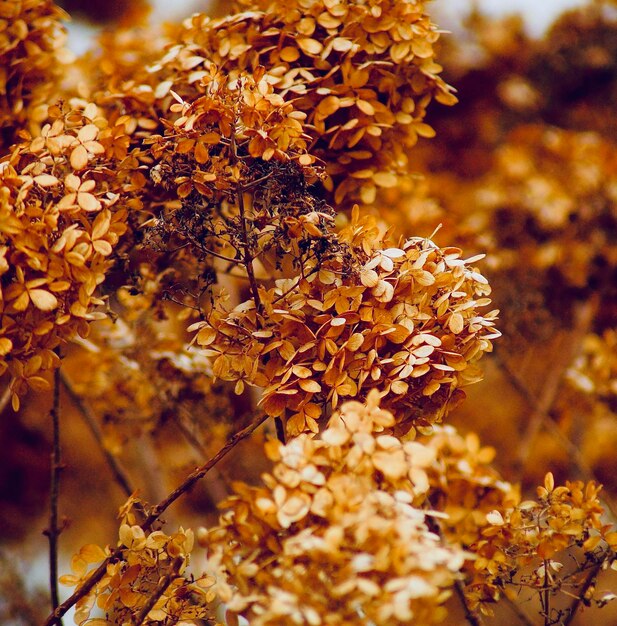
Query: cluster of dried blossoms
403	321
525	547
364	74
31	56
65	197
335	535
148	582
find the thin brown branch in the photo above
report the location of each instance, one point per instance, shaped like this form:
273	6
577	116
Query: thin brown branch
246	252
200	472
53	530
5	398
545	596
518	611
155	513
91	422
545	402
247	258
471	616
215	487
141	617
590	581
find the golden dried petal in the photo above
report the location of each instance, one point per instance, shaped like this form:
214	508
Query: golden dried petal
289	54
43	300
310	386
46	180
310	46
88	202
456	323
79	157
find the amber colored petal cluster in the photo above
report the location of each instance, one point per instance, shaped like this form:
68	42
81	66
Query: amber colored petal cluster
148	564
333	534
363	74
64	203
404	321
31	56
525	545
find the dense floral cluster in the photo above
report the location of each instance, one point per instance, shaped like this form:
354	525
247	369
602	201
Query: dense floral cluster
31	56
147	583
525	545
404	321
466	487
236	160
363	74
333	536
63	211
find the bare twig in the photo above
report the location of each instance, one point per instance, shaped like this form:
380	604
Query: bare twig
246	252
53	530
247	258
215	487
518	611
200	472
550	389
91	422
591	579
471	616
545	596
140	618
4	398
155	513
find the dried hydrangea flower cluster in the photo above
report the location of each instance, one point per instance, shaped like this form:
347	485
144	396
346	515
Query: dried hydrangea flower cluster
236	159
333	536
31	56
466	488
65	197
147	583
404	321
526	545
363	74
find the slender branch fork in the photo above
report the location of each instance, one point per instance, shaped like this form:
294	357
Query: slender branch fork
590	581
53	530
90	419
158	592
154	514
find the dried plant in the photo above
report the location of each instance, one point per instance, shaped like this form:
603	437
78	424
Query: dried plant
223	226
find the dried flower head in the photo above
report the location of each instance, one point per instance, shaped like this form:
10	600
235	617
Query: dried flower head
148	582
63	207
363	74
31	57
404	321
333	534
524	545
